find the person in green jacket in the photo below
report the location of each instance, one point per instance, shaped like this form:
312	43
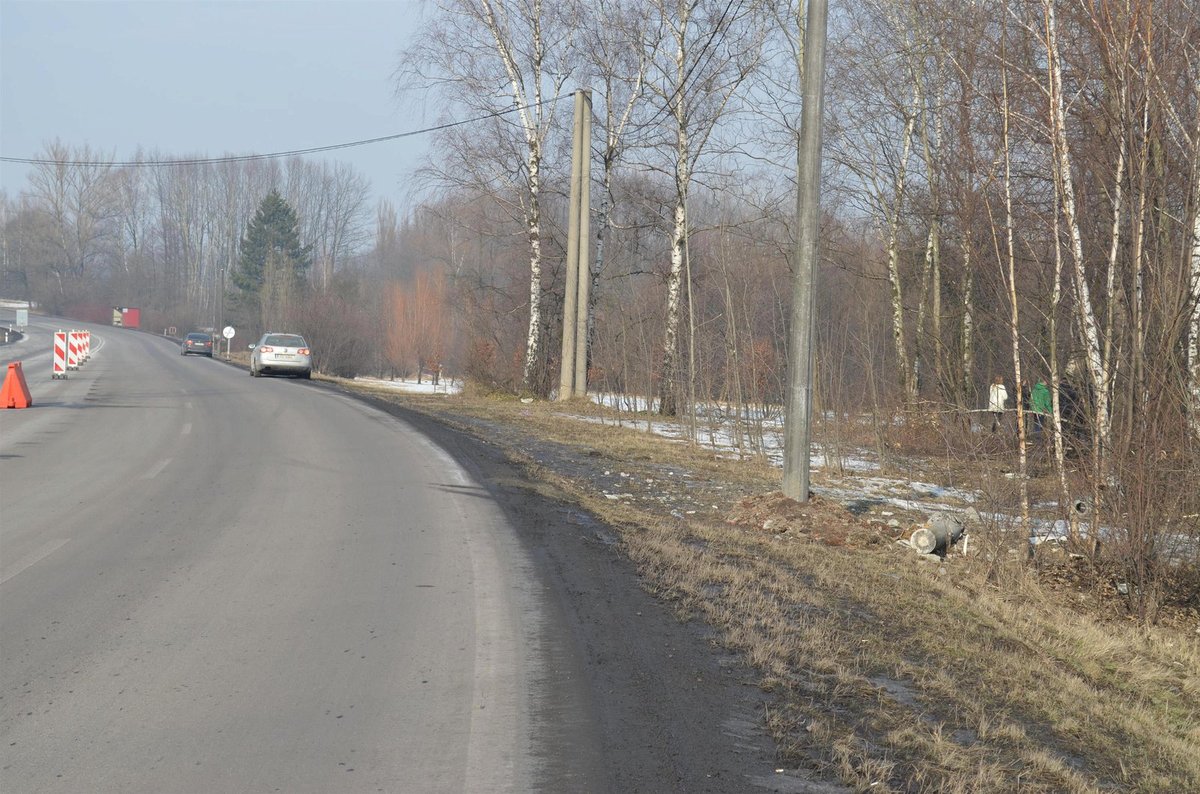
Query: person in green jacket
1041	404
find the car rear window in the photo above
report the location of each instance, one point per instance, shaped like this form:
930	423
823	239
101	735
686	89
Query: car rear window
199	337
285	340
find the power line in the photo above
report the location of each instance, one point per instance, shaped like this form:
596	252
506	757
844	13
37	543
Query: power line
245	158
706	54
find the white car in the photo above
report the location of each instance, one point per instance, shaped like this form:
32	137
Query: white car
281	354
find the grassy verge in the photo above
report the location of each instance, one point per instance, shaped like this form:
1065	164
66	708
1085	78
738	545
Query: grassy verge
892	672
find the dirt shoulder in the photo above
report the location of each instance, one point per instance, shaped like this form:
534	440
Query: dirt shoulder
724	611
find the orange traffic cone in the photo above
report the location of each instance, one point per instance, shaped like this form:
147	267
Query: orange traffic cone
15	393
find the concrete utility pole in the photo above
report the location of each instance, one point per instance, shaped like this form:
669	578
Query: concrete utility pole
585	250
572	377
808	227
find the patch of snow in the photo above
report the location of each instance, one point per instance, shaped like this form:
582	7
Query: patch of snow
444	386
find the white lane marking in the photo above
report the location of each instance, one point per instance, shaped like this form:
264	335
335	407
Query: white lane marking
157	470
186	429
30	560
499	709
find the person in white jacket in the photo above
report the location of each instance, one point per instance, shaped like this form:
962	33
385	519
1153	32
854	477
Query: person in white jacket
997	397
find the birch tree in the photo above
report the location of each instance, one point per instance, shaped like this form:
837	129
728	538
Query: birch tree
502	57
883	118
1097	367
1008	261
619	39
711	48
1193	328
1193	338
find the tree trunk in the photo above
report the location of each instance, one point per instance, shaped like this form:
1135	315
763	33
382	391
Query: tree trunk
968	330
1014	326
667	384
893	254
1193	335
667	392
1097	366
533	336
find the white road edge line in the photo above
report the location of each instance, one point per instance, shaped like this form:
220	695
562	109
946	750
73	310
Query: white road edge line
30	560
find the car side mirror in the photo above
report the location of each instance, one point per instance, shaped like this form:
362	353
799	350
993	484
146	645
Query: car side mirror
251	347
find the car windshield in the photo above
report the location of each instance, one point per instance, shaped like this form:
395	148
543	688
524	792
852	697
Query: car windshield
285	340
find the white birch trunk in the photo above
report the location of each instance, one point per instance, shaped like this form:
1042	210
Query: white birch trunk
1060	451
529	112
1193	329
533	336
670	368
1193	342
1118	204
927	297
1140	394
968	325
614	131
931	297
1096	365
1014	314
893	253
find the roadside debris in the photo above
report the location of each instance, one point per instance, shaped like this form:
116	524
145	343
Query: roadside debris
937	534
819	519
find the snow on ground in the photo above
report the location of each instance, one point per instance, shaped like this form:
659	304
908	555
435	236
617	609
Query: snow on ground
426	386
717	428
766	440
761	435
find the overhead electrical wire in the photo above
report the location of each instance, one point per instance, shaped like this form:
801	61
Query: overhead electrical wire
706	53
245	158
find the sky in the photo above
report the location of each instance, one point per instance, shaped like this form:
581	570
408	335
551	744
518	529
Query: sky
199	77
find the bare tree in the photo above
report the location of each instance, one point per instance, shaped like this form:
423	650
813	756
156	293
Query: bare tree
618	39
713	46
331	201
1193	328
73	187
500	57
1097	366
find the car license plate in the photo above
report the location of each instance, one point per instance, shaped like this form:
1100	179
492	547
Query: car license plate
284	355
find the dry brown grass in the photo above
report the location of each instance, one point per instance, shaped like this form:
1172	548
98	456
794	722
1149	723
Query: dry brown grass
893	673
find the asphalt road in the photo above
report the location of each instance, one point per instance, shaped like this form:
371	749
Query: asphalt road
215	583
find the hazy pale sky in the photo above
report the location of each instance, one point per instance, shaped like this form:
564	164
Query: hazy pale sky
199	77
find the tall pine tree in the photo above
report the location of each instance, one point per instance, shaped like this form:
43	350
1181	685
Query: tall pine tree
270	275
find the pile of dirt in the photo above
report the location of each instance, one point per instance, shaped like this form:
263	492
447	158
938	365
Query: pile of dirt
818	520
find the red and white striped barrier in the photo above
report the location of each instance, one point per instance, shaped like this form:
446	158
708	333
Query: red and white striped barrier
73	346
60	355
86	353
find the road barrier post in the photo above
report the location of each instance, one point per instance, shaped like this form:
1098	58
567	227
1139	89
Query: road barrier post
60	356
72	349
